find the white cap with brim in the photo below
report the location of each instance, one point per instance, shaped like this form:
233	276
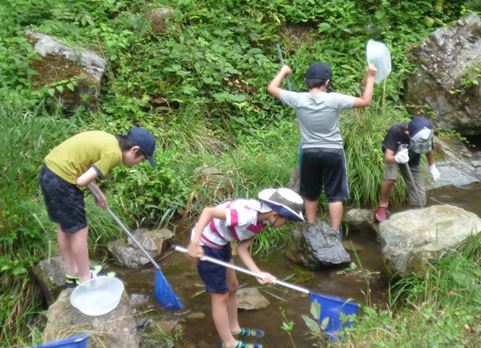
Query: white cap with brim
284	202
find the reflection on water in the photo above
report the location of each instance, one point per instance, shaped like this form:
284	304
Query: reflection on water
201	333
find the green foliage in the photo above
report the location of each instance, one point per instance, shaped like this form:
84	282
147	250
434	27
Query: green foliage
287	326
440	309
365	164
200	87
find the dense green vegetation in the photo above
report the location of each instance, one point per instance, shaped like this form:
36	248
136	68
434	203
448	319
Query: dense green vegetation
201	88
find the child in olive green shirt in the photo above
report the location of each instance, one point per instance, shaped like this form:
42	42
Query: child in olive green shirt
75	163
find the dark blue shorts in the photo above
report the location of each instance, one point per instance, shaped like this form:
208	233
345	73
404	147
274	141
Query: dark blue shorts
324	168
214	276
64	201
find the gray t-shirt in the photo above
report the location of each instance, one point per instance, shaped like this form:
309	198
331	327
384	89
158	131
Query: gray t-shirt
318	116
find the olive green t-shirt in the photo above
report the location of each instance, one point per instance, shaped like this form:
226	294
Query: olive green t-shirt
76	155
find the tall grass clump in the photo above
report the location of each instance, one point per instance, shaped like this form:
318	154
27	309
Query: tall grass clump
363	132
26	138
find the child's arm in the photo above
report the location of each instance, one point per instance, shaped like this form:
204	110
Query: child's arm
366	98
88	179
274	87
245	255
194	250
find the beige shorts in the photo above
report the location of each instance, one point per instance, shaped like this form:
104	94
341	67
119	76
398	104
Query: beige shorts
391	172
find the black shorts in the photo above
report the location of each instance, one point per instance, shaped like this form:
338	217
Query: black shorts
324	168
213	275
64	201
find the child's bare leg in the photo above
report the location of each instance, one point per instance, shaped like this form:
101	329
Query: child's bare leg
221	319
79	247
311	210
336	210
233	285
64	244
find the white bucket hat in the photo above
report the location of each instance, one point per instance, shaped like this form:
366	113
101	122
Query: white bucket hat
283	201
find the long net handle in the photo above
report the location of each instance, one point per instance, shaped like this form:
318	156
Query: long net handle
281	59
246	271
126	230
411	178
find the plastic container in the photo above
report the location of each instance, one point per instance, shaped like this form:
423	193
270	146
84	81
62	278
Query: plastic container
79	341
97	296
378	54
334	308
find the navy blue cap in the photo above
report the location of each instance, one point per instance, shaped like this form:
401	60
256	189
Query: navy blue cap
319	71
417	124
145	140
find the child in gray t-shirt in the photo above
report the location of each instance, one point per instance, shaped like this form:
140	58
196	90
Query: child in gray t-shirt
322	156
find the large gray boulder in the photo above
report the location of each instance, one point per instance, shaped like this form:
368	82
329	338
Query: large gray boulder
114	329
74	74
316	246
412	237
458	166
448	76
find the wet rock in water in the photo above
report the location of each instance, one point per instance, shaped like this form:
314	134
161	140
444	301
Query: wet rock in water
251	299
142	322
316	245
152	240
196	316
114	329
138	300
127	254
413	237
360	219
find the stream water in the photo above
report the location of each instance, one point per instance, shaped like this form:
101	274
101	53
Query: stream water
200	332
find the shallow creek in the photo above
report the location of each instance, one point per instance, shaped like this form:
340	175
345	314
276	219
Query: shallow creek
201	333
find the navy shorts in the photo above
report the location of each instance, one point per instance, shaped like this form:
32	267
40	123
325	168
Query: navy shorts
214	276
324	168
64	201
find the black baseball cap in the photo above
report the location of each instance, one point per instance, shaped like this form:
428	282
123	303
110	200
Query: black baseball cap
319	71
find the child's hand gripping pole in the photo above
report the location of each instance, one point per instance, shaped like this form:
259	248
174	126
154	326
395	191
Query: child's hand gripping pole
100	198
281	59
246	271
98	194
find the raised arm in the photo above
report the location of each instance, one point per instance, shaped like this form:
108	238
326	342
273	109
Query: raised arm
274	87
366	98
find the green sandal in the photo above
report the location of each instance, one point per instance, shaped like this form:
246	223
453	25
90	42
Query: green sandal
72	280
248	332
241	344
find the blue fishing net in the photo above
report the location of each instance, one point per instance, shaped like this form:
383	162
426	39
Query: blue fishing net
164	293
